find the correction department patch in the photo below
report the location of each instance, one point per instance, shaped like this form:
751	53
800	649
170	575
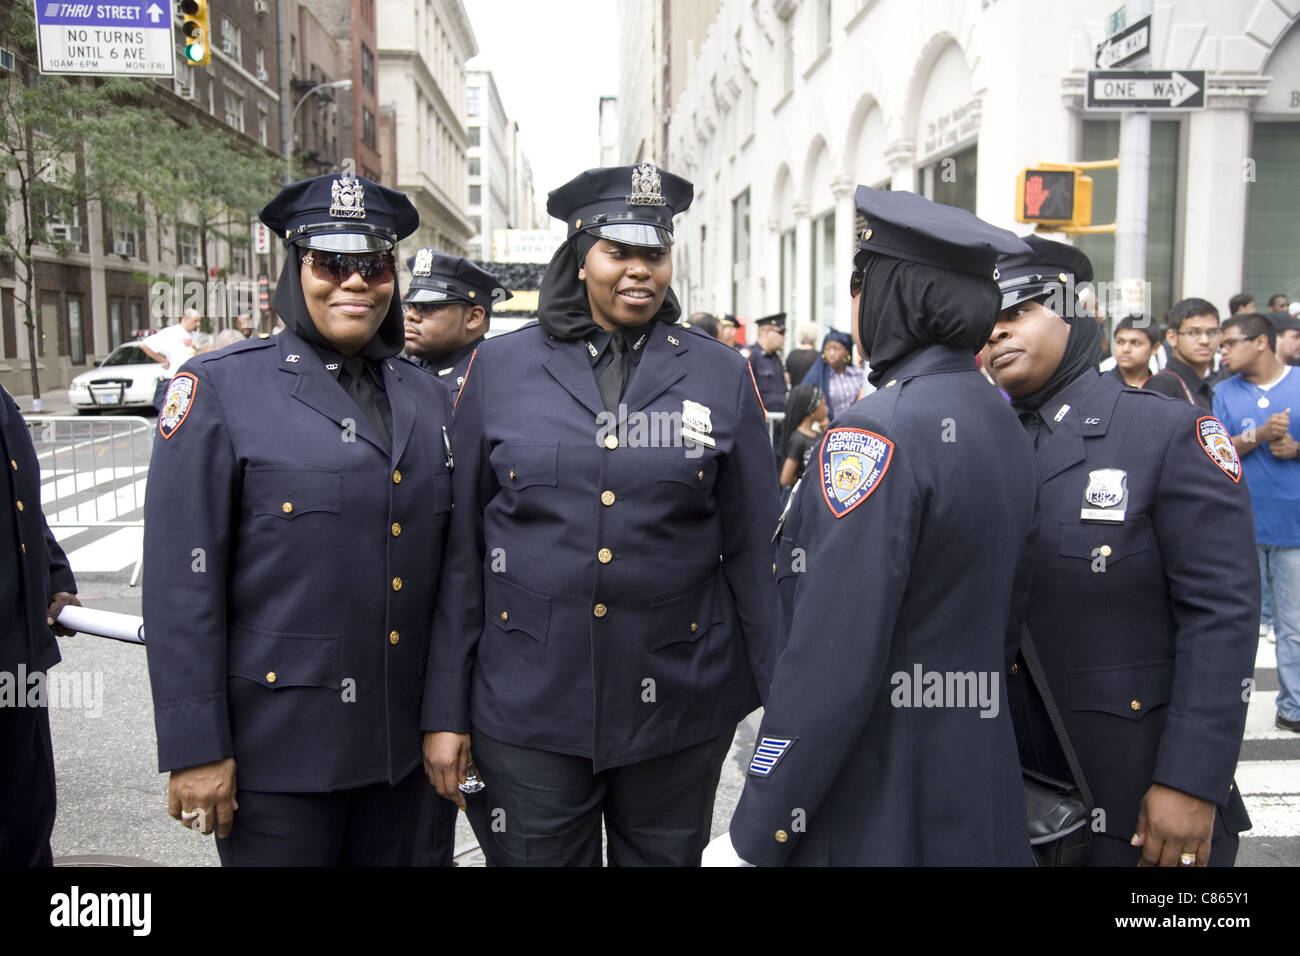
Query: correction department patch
853	462
177	403
1216	441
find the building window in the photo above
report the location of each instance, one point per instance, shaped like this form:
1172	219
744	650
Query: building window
787	56
475	166
823	270
115	331
789	276
239	259
262	134
740	254
230	38
474	136
951	179
473	97
137	316
367	69
259	64
823	24
76	332
184	81
1272	210
475	195
187	246
62	220
235	110
367	127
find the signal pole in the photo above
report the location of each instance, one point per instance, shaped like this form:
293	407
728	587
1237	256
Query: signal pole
1133	190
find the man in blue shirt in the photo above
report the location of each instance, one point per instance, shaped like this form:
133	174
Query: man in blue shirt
1255	405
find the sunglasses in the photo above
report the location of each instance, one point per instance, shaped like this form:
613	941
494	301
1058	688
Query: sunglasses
426	309
855	282
374	267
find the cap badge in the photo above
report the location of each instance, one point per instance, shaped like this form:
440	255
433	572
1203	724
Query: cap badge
423	262
347	199
645	187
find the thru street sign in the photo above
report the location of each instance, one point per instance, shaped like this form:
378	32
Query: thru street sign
117	38
1129	44
1146	90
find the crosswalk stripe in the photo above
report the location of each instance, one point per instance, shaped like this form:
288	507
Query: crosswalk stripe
1277	777
115	551
1273	816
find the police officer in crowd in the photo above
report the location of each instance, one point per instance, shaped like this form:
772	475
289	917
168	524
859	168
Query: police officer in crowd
1145	596
298	497
35	585
608	611
705	322
898	562
448	311
727	326
765	360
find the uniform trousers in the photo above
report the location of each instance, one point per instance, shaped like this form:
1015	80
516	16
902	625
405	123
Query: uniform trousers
374	825
544	809
435	839
26	786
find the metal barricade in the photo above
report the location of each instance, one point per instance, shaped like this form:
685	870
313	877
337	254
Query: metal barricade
93	472
775	420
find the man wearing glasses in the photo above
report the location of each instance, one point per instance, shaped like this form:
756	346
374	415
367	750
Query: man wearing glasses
1193	339
288	615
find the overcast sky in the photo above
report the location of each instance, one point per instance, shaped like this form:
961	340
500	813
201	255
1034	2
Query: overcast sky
553	60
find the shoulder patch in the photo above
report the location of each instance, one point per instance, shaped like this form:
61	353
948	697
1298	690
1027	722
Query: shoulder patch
852	463
1217	443
177	403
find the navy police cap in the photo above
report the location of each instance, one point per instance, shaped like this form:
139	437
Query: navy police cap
338	212
1045	267
728	320
906	226
436	277
772	322
630	204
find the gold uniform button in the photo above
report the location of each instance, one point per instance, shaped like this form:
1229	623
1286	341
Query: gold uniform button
866	235
20	506
700	476
505	615
1104	551
774	567
270	677
607	498
694	627
782	836
397	584
287	507
1135	704
394	637
13	464
600	610
512	474
891	383
23	546
611	442
397	529
1015	669
397	477
604	555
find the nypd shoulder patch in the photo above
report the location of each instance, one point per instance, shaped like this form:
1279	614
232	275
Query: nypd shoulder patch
768	754
1217	443
177	403
853	462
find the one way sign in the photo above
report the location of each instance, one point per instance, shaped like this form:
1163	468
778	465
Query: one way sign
1146	90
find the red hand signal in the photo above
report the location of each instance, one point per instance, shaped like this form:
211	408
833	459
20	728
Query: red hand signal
1035	195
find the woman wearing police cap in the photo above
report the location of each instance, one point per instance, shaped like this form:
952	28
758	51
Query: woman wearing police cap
298	497
1145	591
609	607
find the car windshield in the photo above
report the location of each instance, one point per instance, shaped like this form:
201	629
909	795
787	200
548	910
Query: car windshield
127	355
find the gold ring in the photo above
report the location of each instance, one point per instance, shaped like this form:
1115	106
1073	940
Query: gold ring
1187	859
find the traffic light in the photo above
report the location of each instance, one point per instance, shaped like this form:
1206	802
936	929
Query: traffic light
1054	195
194	32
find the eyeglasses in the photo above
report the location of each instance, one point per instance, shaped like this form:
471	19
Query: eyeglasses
426	309
376	267
1229	343
855	282
1208	334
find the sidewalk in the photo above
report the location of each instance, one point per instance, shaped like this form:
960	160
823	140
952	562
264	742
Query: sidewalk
53	402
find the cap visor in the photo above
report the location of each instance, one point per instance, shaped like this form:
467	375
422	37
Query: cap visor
345	242
416	296
634	234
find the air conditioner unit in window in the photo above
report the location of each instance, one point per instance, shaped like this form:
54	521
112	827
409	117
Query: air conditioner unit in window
61	231
6	59
261	73
261	7
187	91
123	247
227	47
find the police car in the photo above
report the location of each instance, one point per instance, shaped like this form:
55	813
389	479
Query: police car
127	378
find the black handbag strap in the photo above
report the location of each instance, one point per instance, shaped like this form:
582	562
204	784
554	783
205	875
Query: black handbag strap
1039	678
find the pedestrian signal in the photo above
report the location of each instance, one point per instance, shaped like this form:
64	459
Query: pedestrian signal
195	35
1054	195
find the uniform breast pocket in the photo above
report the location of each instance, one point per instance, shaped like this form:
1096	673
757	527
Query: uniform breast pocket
682	619
1113	542
290	493
520	465
698	473
1130	691
277	660
441	491
511	607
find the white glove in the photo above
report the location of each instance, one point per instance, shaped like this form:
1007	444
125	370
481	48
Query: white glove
721	853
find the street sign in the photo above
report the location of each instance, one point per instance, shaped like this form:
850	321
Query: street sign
1115	22
1125	46
117	38
261	238
1146	90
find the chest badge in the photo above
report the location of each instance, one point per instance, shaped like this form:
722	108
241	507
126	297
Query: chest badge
697	426
1106	497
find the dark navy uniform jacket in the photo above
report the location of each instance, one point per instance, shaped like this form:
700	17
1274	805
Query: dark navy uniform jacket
451	370
1149	659
32	565
603	598
918	576
300	647
769	374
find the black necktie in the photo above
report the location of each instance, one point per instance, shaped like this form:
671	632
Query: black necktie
613	379
1033	423
369	396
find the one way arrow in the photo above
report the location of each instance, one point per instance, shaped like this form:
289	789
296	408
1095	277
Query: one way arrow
154	12
1152	90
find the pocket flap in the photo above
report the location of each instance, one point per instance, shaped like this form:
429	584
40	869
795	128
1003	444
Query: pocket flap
684	618
277	659
1129	690
512	607
290	492
1114	541
697	473
520	464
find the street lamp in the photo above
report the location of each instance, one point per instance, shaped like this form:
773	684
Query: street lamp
288	136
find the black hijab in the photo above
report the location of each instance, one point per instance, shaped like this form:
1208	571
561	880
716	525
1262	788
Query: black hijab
562	308
1082	352
290	305
907	306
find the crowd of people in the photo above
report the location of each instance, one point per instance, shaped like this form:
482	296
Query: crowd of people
475	577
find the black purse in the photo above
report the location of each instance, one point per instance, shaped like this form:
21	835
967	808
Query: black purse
1059	812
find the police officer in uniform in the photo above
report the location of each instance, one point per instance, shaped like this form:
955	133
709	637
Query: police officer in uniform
1145	598
765	360
608	611
35	585
298	498
898	562
448	311
727	326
